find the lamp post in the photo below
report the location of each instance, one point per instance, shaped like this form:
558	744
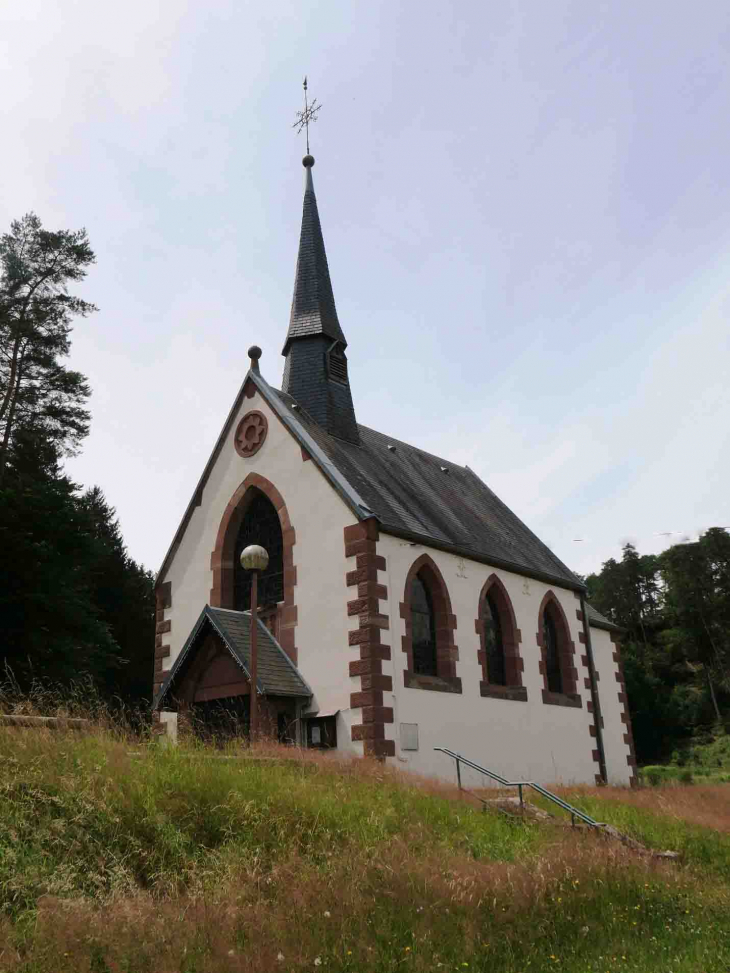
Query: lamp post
254	559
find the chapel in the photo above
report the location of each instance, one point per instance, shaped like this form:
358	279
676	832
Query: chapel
404	606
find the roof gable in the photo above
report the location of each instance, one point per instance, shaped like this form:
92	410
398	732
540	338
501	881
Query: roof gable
412	494
290	419
276	674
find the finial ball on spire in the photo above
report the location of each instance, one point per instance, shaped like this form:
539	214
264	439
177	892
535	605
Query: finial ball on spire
308	161
254	353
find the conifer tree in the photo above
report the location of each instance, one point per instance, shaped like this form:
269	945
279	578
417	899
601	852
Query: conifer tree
72	601
37	391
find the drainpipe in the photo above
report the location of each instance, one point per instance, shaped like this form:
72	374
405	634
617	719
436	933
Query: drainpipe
594	692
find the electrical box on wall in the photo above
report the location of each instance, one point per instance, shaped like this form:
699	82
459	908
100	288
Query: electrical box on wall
409	736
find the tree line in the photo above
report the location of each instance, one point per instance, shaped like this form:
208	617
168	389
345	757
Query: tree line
72	600
674	609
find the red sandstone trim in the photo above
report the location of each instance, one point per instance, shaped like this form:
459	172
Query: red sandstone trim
566	649
254	424
589	705
511	638
221	558
626	715
163	600
361	542
447	653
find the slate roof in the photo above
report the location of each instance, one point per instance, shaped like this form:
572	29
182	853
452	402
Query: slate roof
417	495
313	310
276	673
597	620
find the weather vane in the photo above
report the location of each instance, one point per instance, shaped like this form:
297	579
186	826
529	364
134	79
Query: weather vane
308	115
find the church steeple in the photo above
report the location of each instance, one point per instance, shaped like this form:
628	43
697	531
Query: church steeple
315	371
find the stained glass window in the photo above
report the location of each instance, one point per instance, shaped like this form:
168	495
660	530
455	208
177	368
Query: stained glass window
260	525
423	625
496	670
552	656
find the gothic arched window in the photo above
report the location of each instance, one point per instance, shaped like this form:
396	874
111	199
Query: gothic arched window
552	653
423	623
260	525
493	642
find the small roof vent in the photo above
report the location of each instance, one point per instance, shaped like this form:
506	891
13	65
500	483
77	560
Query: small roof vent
391	447
444	469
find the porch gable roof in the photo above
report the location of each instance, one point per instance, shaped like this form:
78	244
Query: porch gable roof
276	673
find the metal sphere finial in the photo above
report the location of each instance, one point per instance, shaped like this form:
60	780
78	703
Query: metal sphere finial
254	558
308	161
254	352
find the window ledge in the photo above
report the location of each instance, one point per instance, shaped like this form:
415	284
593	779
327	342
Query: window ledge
435	684
494	691
562	699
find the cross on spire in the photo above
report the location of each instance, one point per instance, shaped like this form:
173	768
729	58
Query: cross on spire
308	115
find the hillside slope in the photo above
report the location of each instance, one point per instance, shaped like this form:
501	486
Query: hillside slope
117	855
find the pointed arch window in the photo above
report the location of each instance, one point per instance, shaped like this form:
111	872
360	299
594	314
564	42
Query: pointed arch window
499	643
423	621
429	625
560	677
260	525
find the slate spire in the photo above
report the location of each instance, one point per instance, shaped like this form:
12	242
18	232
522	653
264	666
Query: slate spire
315	371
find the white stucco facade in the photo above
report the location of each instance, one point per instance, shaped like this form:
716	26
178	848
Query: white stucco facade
527	739
318	517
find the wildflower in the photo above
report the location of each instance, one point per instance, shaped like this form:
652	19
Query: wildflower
327	914
318	961
407	949
349	952
280	957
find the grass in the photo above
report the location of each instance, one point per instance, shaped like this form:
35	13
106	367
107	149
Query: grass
117	854
704	763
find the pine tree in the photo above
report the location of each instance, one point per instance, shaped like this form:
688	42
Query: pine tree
123	593
37	391
72	601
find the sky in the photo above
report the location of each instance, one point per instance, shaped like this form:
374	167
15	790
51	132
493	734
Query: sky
525	207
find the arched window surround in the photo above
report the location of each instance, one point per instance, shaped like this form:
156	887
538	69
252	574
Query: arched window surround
222	594
566	653
511	638
447	654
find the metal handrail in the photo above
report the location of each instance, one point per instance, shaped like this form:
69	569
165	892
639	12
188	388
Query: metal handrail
519	784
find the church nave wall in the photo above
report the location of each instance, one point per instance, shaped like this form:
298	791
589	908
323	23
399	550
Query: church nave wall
503	731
